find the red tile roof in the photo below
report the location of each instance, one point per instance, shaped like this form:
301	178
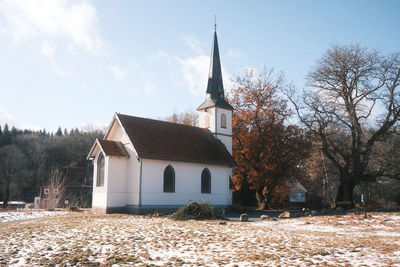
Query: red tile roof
113	148
154	139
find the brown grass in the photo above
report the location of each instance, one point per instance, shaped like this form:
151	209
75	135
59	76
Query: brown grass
84	239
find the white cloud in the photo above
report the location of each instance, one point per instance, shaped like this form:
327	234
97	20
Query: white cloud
73	21
59	71
193	43
84	85
193	72
48	50
5	117
118	72
234	54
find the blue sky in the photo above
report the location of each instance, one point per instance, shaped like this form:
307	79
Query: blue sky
75	63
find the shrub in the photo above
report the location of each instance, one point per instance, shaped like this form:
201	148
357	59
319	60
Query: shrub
198	211
74	209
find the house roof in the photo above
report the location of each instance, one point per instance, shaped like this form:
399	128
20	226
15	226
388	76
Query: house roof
109	148
297	187
113	148
154	139
215	102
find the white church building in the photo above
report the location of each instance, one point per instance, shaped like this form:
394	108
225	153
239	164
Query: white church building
144	164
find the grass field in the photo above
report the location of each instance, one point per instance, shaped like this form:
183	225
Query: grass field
84	240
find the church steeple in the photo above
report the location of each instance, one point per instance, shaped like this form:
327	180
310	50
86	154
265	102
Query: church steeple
215	88
215	114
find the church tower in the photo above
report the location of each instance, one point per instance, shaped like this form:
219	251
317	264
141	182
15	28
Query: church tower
216	113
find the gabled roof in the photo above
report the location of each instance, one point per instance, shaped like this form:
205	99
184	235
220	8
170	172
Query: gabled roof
154	139
297	187
215	102
110	148
113	148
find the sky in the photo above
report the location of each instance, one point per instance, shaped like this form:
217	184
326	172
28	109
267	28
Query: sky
76	63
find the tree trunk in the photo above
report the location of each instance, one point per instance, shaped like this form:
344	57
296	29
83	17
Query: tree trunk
268	198
260	200
345	191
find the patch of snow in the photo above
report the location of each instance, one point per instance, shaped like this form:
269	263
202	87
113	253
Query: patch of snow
11	216
136	240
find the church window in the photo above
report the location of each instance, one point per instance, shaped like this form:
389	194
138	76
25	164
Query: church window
169	179
205	182
100	170
223	120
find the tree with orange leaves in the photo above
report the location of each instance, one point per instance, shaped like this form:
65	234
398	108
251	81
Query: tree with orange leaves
269	152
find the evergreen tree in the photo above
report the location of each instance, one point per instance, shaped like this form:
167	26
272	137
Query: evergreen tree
1	137
14	131
59	132
43	132
6	139
6	131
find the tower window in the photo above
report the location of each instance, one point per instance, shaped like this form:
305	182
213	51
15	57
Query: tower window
100	170
169	179
206	182
223	120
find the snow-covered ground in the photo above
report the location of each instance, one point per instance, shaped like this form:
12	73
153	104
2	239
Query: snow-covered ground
10	216
83	239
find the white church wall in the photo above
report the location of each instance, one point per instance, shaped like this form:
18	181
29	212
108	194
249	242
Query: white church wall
227	141
187	184
207	119
132	181
133	165
117	134
228	114
211	119
116	181
99	197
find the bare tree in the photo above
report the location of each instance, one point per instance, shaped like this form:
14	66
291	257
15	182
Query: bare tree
351	104
188	117
56	187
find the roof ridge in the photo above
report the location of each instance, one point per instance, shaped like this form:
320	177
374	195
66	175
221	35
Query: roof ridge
163	140
170	122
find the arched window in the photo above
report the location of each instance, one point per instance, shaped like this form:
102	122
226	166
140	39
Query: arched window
223	120
169	179
100	170
205	182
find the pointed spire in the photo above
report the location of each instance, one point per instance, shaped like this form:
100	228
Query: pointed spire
215	87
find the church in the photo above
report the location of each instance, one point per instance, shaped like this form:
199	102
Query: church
143	164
